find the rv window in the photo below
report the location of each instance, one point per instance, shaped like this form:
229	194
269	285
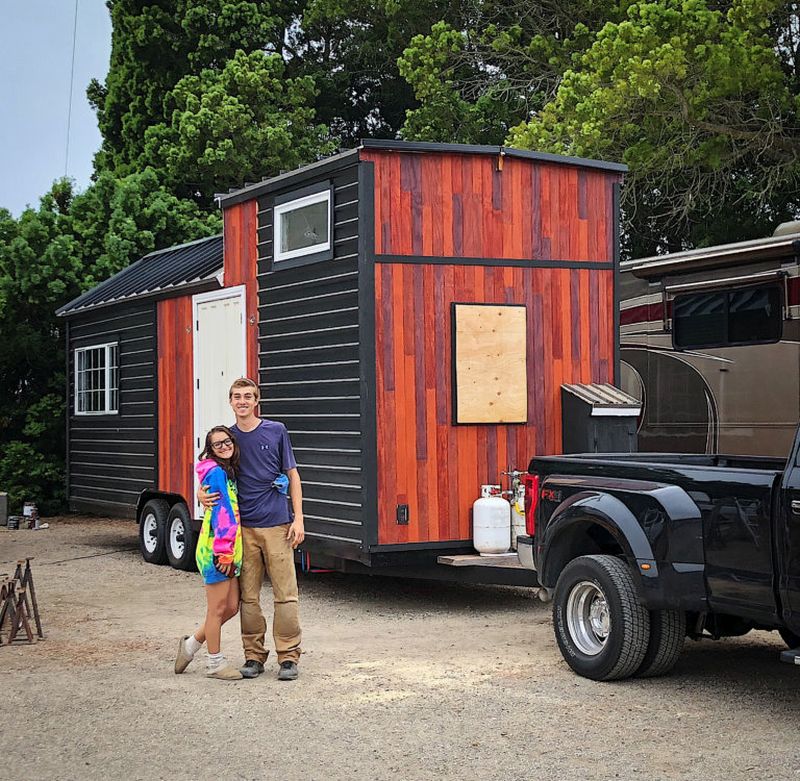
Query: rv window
303	226
97	379
726	318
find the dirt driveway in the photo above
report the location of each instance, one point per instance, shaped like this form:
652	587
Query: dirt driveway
399	680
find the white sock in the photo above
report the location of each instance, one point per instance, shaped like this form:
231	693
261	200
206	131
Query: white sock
214	660
192	645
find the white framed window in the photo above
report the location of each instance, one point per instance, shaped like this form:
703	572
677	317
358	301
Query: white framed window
302	226
97	379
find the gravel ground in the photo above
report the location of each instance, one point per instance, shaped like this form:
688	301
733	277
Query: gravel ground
399	680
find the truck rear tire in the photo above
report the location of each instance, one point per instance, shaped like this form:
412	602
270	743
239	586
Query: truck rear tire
667	633
600	627
152	531
790	638
180	538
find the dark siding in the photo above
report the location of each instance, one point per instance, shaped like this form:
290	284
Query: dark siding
309	366
113	457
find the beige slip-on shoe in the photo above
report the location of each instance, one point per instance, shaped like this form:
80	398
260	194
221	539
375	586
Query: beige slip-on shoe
183	659
225	672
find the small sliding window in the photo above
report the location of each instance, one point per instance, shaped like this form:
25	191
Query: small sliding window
728	318
97	379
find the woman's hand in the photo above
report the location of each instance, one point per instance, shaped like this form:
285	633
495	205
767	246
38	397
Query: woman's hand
228	570
208	500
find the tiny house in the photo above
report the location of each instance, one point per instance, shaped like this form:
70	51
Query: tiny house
410	312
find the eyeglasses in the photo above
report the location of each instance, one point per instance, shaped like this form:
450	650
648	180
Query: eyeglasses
222	444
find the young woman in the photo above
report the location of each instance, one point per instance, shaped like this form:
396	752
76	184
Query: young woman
219	554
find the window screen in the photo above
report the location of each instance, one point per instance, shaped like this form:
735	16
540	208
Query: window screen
723	318
97	379
302	226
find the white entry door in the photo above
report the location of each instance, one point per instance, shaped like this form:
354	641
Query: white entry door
220	357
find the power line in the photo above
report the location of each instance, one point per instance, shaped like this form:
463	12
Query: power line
71	85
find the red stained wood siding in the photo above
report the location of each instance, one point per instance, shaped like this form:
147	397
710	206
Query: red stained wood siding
482	206
241	256
455	205
176	454
175	397
424	460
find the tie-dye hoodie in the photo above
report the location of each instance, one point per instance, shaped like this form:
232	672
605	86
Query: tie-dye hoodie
221	536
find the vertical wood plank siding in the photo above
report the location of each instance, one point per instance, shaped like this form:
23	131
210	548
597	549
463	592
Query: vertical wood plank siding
446	205
309	366
175	397
175	353
113	457
241	255
463	205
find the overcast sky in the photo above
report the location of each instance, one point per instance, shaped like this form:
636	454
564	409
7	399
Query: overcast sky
36	41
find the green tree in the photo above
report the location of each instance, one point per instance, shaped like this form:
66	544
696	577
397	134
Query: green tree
702	103
48	256
240	123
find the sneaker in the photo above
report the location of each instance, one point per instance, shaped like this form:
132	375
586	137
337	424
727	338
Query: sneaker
225	672
184	658
288	671
251	669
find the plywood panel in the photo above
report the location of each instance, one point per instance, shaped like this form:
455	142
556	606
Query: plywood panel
489	363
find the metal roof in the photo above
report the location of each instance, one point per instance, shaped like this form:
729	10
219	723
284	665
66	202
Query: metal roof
348	157
158	273
601	395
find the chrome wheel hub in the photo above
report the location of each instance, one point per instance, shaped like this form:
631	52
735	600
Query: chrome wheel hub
588	617
150	533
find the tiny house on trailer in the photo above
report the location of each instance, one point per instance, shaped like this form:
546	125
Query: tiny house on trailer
410	312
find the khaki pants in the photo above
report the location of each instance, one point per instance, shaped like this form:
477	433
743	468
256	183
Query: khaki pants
268	550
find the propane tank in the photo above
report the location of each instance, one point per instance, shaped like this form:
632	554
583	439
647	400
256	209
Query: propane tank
517	500
491	522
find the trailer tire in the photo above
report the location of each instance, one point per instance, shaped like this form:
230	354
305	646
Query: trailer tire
790	638
667	633
152	531
600	627
181	540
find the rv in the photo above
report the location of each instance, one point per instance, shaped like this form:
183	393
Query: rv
710	344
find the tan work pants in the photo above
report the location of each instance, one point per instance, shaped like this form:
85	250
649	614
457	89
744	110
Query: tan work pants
268	550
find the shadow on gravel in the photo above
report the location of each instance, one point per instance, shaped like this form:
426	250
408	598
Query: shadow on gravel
402	594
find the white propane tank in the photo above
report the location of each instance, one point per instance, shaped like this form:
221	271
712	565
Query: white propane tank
491	522
517	500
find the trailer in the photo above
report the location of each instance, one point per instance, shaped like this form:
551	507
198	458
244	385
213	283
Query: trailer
410	312
702	334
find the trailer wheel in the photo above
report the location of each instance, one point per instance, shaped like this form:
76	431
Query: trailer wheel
180	538
667	633
790	638
152	531
601	629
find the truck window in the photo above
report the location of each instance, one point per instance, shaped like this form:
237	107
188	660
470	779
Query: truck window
726	318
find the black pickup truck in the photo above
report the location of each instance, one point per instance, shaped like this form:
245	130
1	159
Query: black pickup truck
639	551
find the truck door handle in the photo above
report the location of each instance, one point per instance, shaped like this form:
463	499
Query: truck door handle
796	506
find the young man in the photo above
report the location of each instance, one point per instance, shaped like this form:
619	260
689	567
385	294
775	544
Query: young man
269	532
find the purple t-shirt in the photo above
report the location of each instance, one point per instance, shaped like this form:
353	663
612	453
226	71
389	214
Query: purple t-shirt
265	452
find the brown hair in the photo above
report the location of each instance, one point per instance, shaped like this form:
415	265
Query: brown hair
229	465
244	382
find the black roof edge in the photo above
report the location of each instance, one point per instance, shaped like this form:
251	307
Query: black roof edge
196	286
318	168
479	149
342	159
179	246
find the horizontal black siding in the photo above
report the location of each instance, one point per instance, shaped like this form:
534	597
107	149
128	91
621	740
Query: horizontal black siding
112	458
309	367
